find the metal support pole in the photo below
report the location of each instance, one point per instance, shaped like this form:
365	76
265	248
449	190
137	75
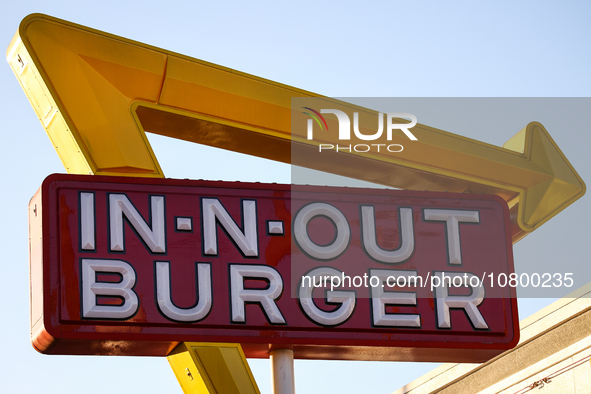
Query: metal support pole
282	376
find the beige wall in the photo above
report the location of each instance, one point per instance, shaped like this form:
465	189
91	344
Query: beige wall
555	343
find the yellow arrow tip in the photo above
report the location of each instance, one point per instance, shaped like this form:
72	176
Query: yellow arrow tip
539	203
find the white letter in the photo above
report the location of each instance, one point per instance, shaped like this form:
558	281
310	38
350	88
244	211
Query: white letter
265	297
154	238
401	126
368	137
469	303
362	151
406	244
304	280
344	123
164	294
246	241
300	231
380	299
310	129
87	231
332	282
452	230
317	315
91	289
395	151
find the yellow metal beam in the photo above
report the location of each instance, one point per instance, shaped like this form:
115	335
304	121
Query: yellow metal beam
85	115
215	368
96	94
93	131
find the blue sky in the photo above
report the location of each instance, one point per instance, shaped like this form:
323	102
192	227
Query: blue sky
339	49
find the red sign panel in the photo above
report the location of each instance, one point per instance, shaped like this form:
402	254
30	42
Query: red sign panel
134	266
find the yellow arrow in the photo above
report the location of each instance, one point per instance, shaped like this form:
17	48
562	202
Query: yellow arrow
91	128
96	94
530	172
215	368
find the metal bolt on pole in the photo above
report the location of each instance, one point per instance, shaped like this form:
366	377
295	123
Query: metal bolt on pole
282	375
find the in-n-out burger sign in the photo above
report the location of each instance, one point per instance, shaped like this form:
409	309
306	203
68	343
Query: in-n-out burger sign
134	266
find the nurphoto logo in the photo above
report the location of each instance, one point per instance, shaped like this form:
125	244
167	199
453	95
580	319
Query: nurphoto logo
345	130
